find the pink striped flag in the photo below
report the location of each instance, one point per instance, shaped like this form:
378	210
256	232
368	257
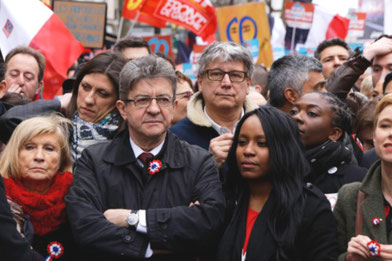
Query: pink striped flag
31	23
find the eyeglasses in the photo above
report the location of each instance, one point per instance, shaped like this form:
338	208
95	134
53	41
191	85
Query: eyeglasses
218	75
186	95
143	102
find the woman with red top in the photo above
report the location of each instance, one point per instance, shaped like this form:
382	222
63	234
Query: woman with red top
35	165
275	216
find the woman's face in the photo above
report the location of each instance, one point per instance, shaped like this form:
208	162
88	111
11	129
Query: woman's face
383	135
252	150
39	160
314	117
96	97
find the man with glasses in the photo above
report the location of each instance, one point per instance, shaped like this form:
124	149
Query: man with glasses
213	112
146	193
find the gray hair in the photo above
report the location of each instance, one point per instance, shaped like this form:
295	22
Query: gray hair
226	52
290	71
146	67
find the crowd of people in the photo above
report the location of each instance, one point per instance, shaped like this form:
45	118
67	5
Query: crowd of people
135	161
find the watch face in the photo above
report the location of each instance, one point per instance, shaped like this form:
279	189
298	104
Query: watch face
132	219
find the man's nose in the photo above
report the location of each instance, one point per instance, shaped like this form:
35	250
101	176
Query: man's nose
226	79
153	108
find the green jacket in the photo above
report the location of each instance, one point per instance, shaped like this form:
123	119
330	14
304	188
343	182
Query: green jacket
371	207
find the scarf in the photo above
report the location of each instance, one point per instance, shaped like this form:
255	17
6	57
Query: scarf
88	133
46	211
325	156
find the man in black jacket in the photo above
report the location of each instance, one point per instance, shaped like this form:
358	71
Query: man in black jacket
171	207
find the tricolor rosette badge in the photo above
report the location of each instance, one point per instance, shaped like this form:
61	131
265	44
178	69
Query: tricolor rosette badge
55	250
376	221
374	248
154	167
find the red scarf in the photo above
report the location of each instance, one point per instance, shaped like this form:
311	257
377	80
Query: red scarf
46	211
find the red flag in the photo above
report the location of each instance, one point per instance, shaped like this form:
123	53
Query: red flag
197	16
142	11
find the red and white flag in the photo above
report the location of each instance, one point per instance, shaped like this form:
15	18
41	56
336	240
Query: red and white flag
326	26
197	16
31	23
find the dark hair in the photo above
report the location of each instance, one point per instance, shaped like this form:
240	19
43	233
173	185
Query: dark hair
290	71
131	42
365	116
260	76
287	167
388	78
107	63
328	43
167	58
341	114
37	55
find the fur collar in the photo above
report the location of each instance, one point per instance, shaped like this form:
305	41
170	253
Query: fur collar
196	114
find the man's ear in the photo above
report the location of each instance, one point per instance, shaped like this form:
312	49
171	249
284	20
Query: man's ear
40	87
199	82
335	134
121	108
291	95
3	88
257	88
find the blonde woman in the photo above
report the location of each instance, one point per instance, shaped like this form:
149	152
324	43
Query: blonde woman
35	166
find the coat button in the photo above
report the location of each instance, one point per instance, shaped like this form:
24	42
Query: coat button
332	170
127	238
165	238
164	226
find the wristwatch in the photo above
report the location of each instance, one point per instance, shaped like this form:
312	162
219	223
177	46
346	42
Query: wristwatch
133	218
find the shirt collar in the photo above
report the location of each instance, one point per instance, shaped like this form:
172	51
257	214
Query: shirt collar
222	130
137	150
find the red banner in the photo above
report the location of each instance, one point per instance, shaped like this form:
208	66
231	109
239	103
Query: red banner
197	16
142	11
299	14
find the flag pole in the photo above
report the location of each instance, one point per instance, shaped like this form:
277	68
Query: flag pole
293	39
120	29
133	23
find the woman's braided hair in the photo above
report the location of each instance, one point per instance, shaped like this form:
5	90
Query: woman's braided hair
341	114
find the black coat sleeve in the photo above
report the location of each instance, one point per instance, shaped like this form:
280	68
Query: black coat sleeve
92	231
193	229
12	245
318	235
15	115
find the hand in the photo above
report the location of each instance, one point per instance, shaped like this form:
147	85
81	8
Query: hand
220	147
15	88
386	252
380	47
195	203
64	100
117	216
357	248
